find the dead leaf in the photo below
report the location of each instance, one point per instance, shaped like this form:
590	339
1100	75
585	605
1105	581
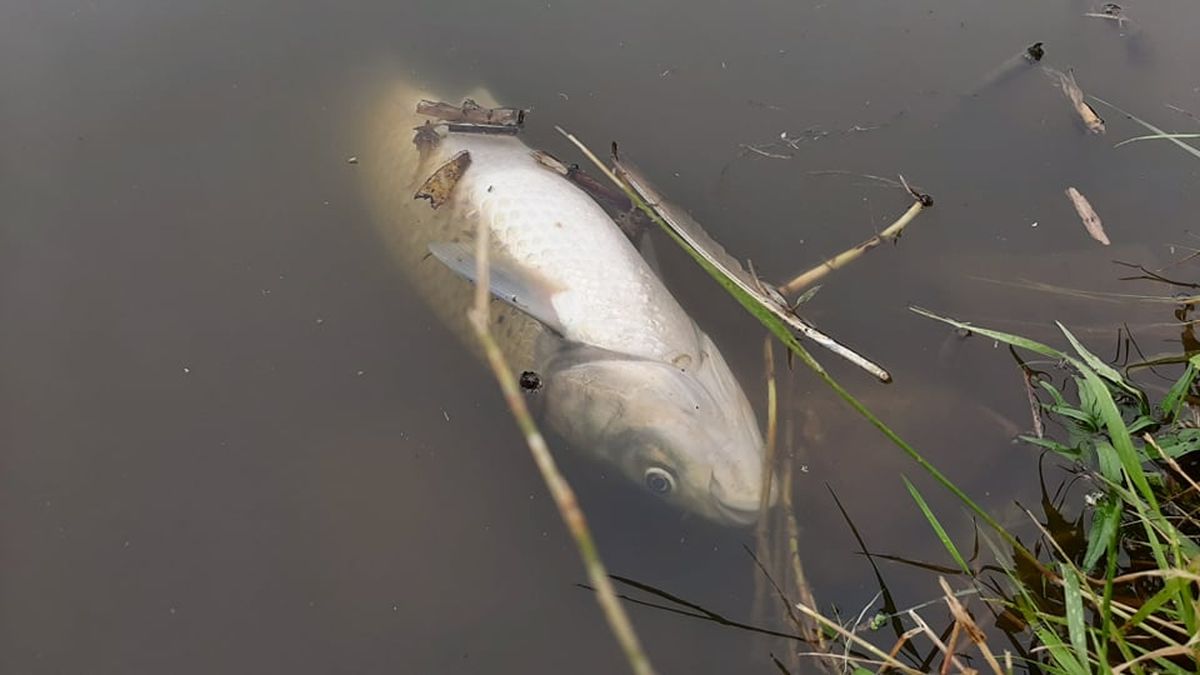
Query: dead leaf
437	188
1087	214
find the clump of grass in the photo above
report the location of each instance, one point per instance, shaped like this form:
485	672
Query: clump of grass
1128	599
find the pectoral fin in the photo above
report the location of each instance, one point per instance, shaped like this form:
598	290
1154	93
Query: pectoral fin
521	288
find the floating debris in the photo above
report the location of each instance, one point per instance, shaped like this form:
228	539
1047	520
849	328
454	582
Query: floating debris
1111	11
1017	63
1087	214
437	188
1066	81
426	138
530	381
471	112
763	153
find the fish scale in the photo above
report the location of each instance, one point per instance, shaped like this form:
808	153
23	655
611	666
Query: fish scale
610	299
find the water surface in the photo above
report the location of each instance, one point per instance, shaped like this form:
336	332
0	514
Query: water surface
234	442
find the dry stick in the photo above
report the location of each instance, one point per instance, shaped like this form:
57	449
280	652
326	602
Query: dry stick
974	632
560	490
1171	462
803	589
1174	650
937	642
951	645
762	539
900	642
846	257
889	660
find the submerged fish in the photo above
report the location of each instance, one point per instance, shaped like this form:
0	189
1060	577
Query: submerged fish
627	375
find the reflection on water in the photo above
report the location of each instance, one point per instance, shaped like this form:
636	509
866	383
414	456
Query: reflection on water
232	441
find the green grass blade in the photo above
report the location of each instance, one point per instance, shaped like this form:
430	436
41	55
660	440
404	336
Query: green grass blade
1119	434
1173	401
1192	150
1073	602
937	526
1097	364
1155	137
1006	338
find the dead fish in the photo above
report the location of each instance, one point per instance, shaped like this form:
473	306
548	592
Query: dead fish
1087	214
626	375
1066	81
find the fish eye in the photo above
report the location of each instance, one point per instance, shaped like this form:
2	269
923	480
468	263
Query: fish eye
660	481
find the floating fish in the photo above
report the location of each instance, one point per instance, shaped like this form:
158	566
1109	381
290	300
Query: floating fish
625	374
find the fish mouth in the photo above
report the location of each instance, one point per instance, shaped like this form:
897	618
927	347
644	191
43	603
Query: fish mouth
738	514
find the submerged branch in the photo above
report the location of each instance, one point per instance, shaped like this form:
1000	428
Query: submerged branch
560	490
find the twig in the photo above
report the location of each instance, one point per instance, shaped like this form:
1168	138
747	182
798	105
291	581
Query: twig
1035	406
763	153
846	257
1172	463
560	490
889	660
762	545
1174	650
974	632
935	640
900	642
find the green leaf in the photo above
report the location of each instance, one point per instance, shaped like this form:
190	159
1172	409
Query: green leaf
937	526
1062	656
1054	393
1119	434
1053	446
1141	423
1172	403
1103	369
1073	602
1108	462
1105	520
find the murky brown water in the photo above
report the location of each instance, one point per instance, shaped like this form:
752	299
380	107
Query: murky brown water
233	442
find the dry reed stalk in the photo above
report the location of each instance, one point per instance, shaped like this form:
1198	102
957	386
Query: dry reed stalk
560	490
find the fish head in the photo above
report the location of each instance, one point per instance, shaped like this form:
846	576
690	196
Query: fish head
686	434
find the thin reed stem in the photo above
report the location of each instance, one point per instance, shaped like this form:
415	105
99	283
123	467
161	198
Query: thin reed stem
560	490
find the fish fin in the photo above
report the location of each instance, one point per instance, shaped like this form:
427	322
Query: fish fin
520	288
645	246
